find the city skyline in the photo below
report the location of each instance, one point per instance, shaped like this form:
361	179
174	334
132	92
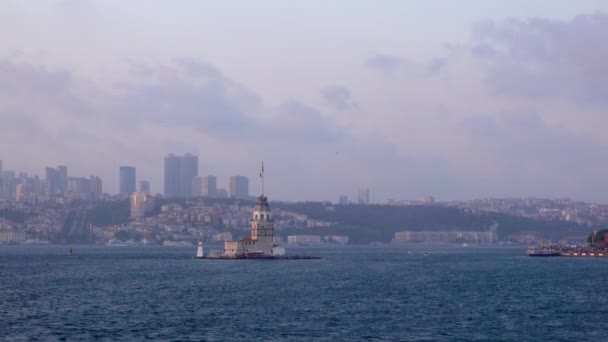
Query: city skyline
504	99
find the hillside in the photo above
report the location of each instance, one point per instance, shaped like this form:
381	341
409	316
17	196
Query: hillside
367	223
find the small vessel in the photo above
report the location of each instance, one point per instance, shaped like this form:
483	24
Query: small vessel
426	253
71	252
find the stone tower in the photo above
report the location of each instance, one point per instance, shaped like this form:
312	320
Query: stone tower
262	225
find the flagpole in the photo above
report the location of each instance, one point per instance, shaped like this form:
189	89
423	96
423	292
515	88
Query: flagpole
262	176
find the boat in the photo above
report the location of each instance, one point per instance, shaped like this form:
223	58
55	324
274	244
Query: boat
542	252
71	252
118	243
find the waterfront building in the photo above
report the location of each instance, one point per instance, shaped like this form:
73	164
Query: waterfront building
127	180
490	236
144	186
337	239
239	187
12	236
179	172
304	239
343	200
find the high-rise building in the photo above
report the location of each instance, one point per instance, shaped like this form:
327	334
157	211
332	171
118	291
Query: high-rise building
52	181
172	167
210	186
56	181
141	204
127	180
84	188
96	189
204	186
179	171
144	186
363	196
62	179
239	187
343	199
197	186
8	185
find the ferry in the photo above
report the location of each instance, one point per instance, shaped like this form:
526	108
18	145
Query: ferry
542	252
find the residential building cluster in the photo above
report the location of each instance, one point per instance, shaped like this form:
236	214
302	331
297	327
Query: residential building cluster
542	209
56	186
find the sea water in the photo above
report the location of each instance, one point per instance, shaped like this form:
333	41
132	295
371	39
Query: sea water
353	293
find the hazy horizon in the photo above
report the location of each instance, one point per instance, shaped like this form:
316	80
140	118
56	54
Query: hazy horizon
457	100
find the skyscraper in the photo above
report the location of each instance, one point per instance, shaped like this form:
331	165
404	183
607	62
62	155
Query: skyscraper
127	180
179	171
197	186
210	186
52	181
363	196
141	204
144	186
239	187
62	179
204	186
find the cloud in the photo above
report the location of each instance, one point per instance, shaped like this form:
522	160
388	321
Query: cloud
386	63
533	155
187	105
436	65
543	58
76	9
338	98
297	122
187	93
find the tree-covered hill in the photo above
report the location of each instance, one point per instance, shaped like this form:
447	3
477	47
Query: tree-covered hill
367	223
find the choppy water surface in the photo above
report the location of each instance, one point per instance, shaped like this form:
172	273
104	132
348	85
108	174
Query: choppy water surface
354	293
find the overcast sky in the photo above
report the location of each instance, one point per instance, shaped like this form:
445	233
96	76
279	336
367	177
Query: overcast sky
456	99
